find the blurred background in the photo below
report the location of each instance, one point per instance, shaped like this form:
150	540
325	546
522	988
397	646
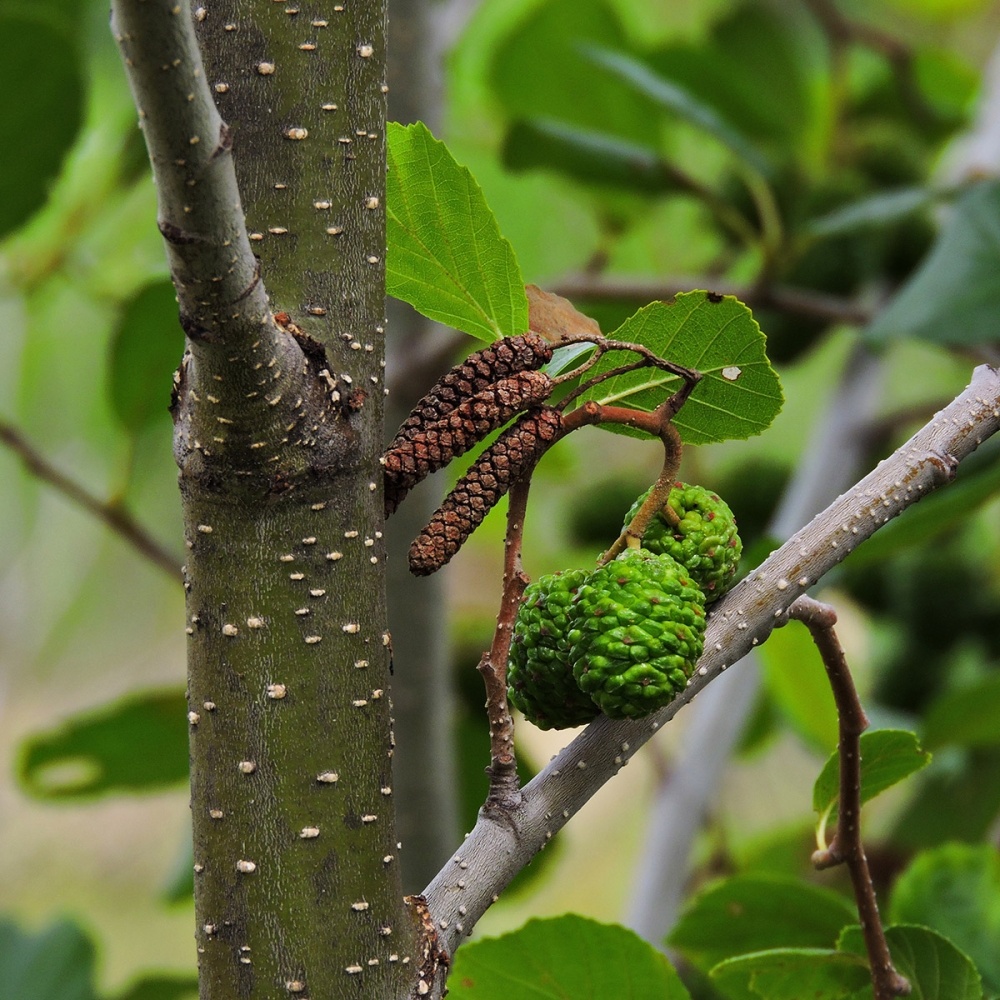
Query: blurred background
835	165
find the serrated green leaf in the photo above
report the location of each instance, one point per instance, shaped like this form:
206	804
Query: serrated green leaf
55	964
954	296
794	973
564	958
144	352
137	744
740	394
752	913
936	969
446	255
955	890
42	84
675	98
968	716
887	757
586	155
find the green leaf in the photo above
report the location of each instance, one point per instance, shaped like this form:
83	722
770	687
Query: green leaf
740	394
139	743
42	85
537	71
161	988
794	973
751	913
55	964
794	676
872	212
968	716
446	255
958	799
564	958
936	969
955	890
586	155
765	68
887	756
675	98
144	351
954	296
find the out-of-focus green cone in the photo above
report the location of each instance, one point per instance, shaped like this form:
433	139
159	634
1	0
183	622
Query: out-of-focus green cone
704	540
638	629
540	678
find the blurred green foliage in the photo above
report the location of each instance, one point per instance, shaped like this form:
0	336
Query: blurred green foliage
625	144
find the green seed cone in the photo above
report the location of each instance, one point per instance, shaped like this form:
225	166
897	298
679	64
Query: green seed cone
540	678
637	632
704	540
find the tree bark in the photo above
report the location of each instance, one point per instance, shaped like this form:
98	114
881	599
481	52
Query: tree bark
278	432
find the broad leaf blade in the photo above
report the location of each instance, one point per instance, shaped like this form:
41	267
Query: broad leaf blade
955	890
887	756
55	964
751	913
43	91
674	97
564	958
740	394
145	350
968	716
139	743
446	255
954	297
936	969
794	973
794	677
161	987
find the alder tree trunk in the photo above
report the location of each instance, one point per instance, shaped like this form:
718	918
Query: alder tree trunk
278	413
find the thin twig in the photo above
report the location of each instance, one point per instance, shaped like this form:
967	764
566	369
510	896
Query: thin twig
504	786
846	847
114	516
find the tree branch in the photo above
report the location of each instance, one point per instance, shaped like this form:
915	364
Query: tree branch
115	517
200	212
832	458
495	851
847	847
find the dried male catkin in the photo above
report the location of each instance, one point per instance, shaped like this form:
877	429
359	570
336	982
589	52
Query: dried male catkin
512	455
435	445
478	371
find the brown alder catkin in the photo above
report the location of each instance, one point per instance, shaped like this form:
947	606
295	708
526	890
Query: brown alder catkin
513	454
478	371
435	445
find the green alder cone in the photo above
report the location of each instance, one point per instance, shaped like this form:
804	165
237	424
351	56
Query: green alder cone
704	540
540	675
637	632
